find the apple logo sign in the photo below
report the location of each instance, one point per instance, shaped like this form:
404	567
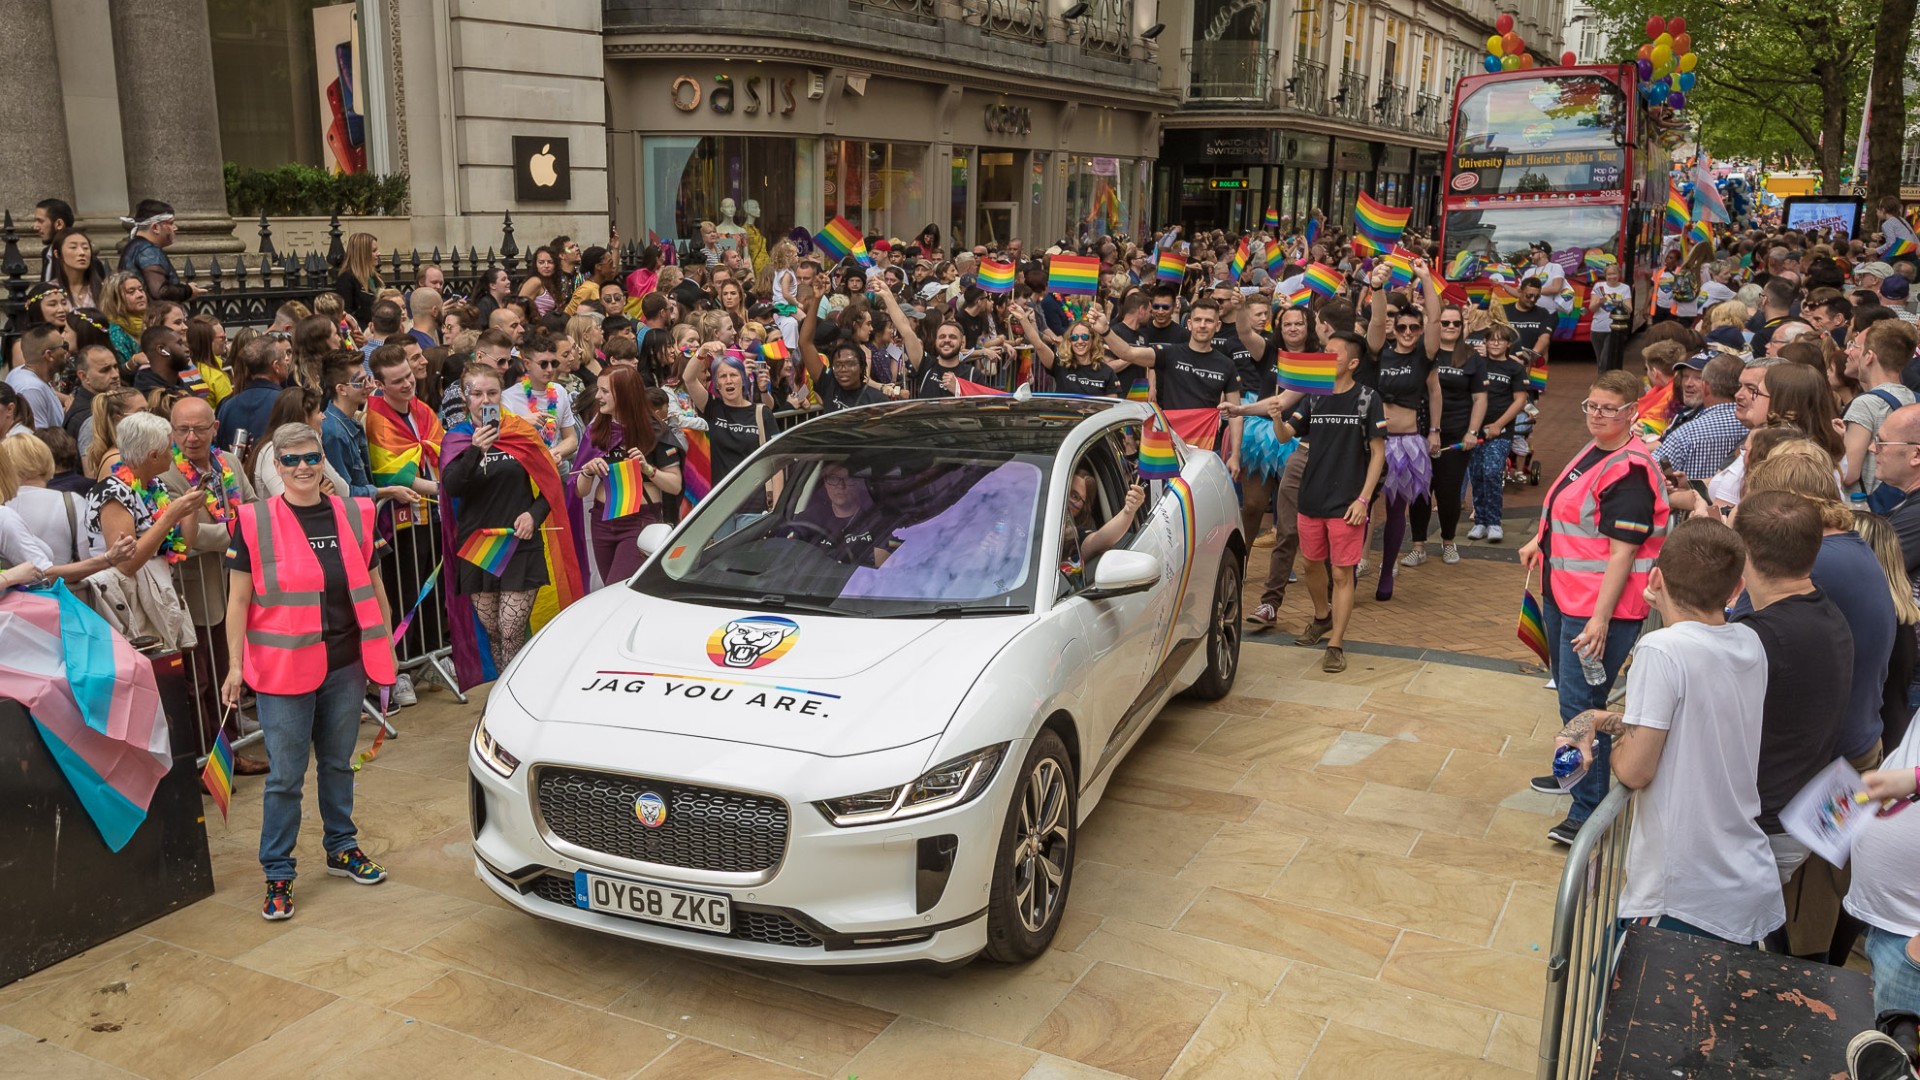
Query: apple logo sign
541	169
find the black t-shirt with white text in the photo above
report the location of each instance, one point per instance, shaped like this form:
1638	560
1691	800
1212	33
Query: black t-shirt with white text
1094	380
1192	380
1458	384
1503	378
1530	324
1340	428
930	382
733	434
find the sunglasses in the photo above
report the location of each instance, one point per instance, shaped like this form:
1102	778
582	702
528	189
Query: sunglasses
294	461
1407	328
1449	322
1163	307
1079	337
546	365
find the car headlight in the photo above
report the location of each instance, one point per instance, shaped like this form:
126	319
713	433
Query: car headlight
496	756
942	787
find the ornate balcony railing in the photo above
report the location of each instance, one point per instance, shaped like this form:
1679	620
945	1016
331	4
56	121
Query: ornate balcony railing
1229	72
1025	20
1106	28
1306	88
1350	100
1390	108
1430	115
926	10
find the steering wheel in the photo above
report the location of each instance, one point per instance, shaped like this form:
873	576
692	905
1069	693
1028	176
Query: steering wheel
808	525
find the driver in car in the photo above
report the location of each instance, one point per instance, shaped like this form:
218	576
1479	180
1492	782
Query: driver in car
1080	541
844	523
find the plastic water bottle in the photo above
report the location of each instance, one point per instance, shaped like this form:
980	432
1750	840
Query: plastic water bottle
1594	670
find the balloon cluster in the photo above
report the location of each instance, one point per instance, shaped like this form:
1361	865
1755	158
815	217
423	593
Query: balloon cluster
1667	63
1505	50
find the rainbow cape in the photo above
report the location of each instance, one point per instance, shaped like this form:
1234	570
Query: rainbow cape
472	658
1238	265
1533	628
1171	267
995	277
1073	274
1901	247
696	471
1677	214
1309	373
1158	460
626	493
840	238
394	450
1655	411
1324	280
1378	222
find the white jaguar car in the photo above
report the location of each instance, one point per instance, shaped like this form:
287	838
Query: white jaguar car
855	708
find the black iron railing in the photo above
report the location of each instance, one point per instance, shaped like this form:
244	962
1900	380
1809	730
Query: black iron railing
1229	73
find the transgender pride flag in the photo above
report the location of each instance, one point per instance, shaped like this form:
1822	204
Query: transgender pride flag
94	700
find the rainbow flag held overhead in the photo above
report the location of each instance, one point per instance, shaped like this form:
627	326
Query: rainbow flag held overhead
1379	222
1533	628
1271	219
1598	261
626	491
489	549
1464	266
1171	267
1902	247
1366	247
1276	259
1313	229
995	277
1324	280
217	777
1699	232
1158	459
841	238
1299	299
1238	265
775	348
1677	214
1309	373
1399	268
1073	274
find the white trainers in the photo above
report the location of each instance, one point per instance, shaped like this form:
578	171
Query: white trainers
1449	553
1478	532
1495	534
1360	571
1415	557
403	691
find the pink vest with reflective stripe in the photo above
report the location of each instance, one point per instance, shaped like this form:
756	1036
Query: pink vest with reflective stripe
1577	555
286	649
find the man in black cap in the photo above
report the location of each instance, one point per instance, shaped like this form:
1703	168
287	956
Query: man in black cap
1693	389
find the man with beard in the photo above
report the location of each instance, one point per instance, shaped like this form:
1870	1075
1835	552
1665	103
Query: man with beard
1189	375
936	378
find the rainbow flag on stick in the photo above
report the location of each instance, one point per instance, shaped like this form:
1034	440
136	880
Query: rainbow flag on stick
1699	232
696	470
1537	376
1073	274
1379	222
1276	259
1299	299
1677	214
995	277
1309	373
626	491
489	549
1399	269
217	777
1271	219
841	238
1313	229
775	348
1241	257
1171	266
1532	631
1158	459
1324	280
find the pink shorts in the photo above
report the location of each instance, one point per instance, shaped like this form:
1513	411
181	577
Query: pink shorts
1321	537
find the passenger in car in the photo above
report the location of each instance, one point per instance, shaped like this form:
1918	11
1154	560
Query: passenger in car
1080	542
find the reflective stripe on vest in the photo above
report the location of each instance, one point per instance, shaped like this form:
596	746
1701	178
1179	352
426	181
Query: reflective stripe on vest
285	633
1579	551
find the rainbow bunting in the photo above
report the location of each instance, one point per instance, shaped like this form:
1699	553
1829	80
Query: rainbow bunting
1309	373
995	277
1676	215
1598	261
1271	219
1323	280
217	777
489	549
1533	629
1158	459
1902	247
1073	274
1379	222
775	348
1464	265
1241	257
696	470
1276	259
1313	230
1171	267
841	238
626	490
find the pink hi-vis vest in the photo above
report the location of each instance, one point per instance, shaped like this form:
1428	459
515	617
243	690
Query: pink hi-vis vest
286	649
1577	556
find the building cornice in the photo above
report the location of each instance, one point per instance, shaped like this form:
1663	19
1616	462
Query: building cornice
1323	125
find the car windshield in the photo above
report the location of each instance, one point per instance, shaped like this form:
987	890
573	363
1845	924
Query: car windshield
878	531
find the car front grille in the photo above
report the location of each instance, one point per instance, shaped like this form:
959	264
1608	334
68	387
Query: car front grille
712	829
766	927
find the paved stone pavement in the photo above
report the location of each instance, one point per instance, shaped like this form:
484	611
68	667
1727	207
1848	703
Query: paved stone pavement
1321	876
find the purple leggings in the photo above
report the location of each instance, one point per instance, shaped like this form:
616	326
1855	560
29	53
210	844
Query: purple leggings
615	554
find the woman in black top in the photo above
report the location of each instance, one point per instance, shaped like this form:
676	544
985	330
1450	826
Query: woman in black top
735	426
1403	373
496	493
490	294
1463	408
1082	368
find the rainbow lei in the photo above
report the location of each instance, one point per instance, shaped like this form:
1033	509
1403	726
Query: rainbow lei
547	416
174	547
229	486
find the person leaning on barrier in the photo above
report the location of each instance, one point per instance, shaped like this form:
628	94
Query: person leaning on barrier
307	628
26	559
130	501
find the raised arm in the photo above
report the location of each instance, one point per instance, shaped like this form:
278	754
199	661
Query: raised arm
694	378
1243	323
1138	355
809	322
1435	305
1377	323
910	343
1028	319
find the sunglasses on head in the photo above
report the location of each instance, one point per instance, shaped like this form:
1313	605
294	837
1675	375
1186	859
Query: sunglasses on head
291	461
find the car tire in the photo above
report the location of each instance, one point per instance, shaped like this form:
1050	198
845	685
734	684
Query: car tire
1034	868
1223	634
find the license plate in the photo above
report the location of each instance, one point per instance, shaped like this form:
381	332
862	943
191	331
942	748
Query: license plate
653	903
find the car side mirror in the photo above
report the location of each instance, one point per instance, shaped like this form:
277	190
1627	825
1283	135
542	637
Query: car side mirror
653	538
1122	572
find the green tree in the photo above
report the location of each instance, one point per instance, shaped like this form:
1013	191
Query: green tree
1887	124
1774	75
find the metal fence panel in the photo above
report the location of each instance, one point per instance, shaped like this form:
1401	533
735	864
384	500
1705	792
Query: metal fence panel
1586	940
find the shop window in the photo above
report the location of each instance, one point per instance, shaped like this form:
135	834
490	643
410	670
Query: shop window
1096	204
688	177
962	173
999	198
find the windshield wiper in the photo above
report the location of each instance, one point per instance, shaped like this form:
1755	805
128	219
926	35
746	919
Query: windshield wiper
775	601
952	611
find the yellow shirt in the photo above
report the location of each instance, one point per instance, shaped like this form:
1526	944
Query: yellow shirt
588	291
219	386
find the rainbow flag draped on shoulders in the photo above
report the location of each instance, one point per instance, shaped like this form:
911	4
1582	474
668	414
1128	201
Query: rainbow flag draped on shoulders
397	447
472	659
696	471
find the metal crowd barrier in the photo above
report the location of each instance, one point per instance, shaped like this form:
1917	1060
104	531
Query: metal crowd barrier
413	569
1586	940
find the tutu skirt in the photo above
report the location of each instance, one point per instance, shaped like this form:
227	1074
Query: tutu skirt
1262	455
1409	469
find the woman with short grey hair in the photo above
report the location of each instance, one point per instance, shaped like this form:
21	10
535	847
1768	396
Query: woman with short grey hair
130	501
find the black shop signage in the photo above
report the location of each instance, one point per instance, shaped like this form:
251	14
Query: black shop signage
1221	146
542	169
1497	171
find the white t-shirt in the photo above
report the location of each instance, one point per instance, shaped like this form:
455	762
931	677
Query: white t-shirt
45	513
47	410
1696	853
1885	892
18	546
1620	295
515	401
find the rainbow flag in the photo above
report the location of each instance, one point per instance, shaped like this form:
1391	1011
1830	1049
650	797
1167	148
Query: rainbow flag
1379	222
1198	428
1139	391
217	777
967	388
1598	261
1313	229
1073	274
1533	628
1537	376
1677	215
775	348
1271	219
1240	259
1299	299
995	277
1699	232
1567	321
1655	411
1399	269
1366	247
1158	459
1902	247
489	549
1324	280
1309	373
1171	267
1479	293
1276	259
1464	265
841	238
626	493
394	452
696	471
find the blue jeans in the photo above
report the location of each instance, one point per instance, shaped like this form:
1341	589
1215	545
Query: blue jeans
1576	696
326	720
1488	466
1896	978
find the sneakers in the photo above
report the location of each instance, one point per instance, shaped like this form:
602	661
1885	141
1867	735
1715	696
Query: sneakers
403	691
354	864
1362	569
1547	785
1449	553
1874	1055
1335	660
1564	833
1415	557
1264	616
1315	630
1478	532
279	903
1495	534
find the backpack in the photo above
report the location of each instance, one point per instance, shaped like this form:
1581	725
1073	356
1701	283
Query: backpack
1884	497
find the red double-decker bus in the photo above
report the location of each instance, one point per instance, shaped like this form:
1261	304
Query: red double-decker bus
1564	155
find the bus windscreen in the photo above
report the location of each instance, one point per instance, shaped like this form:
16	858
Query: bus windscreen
1552	133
